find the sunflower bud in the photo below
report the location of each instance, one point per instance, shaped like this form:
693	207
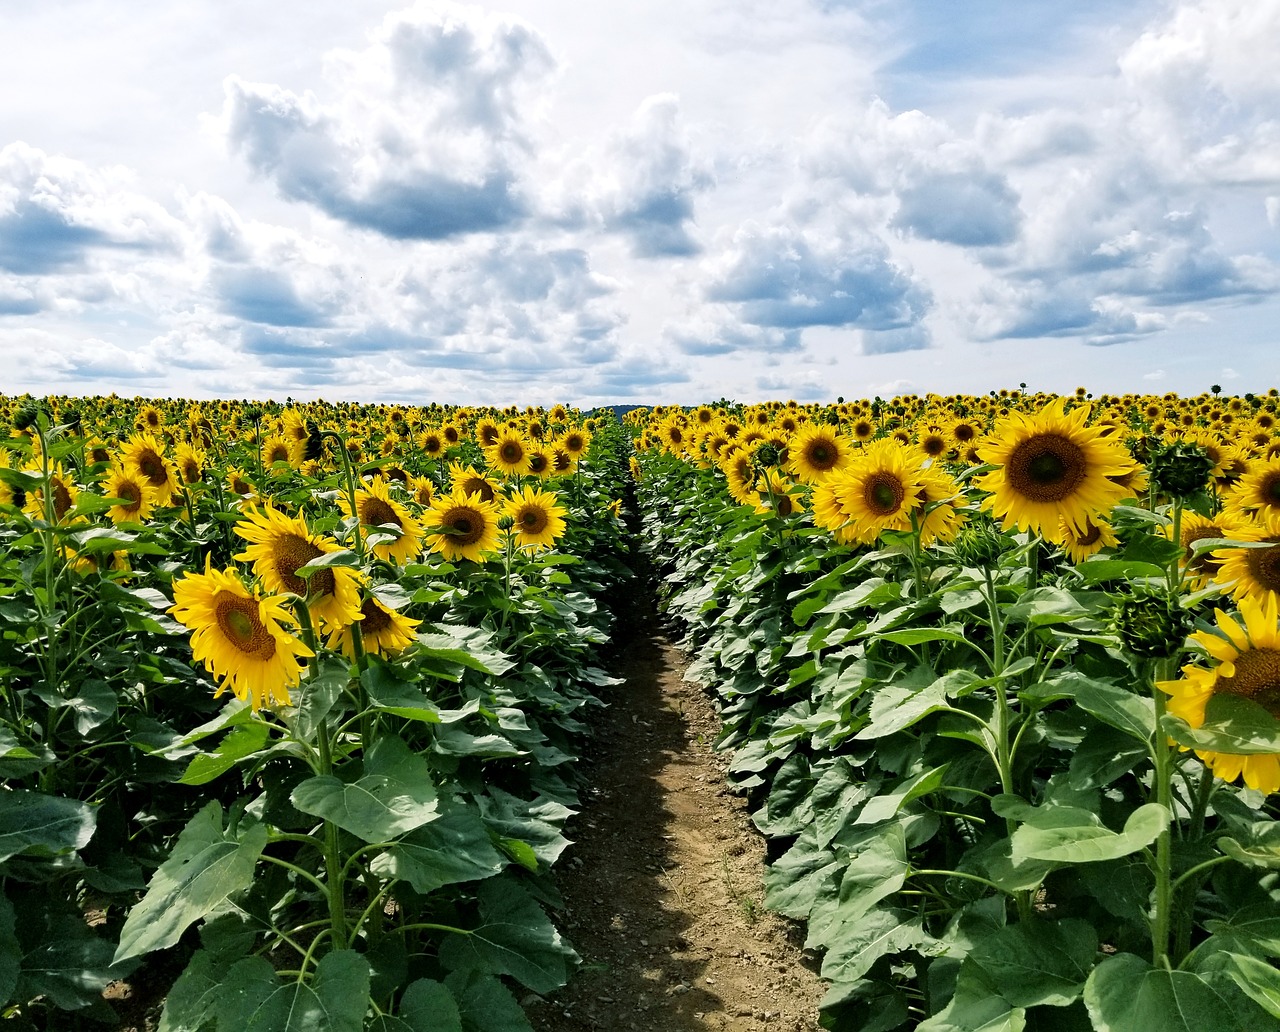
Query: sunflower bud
1180	470
26	416
1151	624
505	522
253	413
980	545
766	456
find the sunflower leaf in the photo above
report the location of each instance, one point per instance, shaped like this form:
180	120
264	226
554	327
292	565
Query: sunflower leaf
208	864
342	557
31	822
1124	992
1232	724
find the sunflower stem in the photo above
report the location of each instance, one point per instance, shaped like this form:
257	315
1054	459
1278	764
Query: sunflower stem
350	478
332	853
1163	791
1187	885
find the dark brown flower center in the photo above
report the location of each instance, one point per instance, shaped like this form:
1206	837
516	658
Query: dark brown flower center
374	512
538	463
132	493
241	626
375	618
883	494
151	466
533	519
290	551
1264	565
511	452
1091	534
61	498
1256	677
478	486
465	524
1046	468
1204	562
934	445
1269	489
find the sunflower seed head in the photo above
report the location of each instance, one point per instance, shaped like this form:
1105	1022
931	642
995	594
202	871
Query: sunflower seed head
980	545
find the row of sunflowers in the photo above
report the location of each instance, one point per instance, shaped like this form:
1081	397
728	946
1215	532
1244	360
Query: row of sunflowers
1001	677
289	702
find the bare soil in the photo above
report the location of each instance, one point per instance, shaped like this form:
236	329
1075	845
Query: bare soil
663	884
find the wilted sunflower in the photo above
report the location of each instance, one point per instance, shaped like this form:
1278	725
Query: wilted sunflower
241	637
537	519
508	453
279	544
378	511
1052	468
465	527
144	455
1248	665
817	451
383	631
1252	573
879	490
137	497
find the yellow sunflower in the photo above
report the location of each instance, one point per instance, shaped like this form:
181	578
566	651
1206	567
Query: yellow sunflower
1052	469
1252	573
508	453
1258	491
776	495
539	462
487	433
383	631
575	442
238	483
879	490
422	489
537	519
378	511
827	513
63	490
817	451
740	475
277	449
940	520
1248	665
1079	544
1201	569
138	498
279	544
190	462
144	455
465	526
241	637
470	480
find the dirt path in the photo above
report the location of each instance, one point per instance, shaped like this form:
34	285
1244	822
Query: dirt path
663	884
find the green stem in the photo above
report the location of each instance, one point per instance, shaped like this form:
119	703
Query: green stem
959	874
1198	869
332	854
1163	792
1184	901
350	477
301	872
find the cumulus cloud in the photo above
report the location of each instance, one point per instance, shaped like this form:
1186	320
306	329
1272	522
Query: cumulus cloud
782	277
427	132
58	215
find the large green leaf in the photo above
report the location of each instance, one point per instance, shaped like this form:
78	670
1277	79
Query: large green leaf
1037	962
1072	835
1257	845
975	1008
515	938
454	848
1126	711
1232	724
854	948
879	870
10	951
68	964
43	825
192	1005
394	794
334	1001
1126	994
485	1004
17	759
1256	978
208	864
428	1006
895	708
317	696
243	741
886	805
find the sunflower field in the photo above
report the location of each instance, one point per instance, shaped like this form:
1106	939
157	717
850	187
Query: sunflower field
293	697
1001	678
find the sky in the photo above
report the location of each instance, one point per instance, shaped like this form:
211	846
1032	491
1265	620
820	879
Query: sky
638	201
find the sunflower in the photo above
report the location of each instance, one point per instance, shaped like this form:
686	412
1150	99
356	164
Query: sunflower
508	453
422	489
383	631
241	637
150	418
277	449
470	480
279	544
1052	469
1252	573
63	490
190	462
817	451
378	510
1258	491
144	455
1248	665
1201	569
939	520
827	513
539	462
879	490
487	433
575	442
537	519
432	443
238	482
1079	544
776	495
933	442
740	475
137	497
465	526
